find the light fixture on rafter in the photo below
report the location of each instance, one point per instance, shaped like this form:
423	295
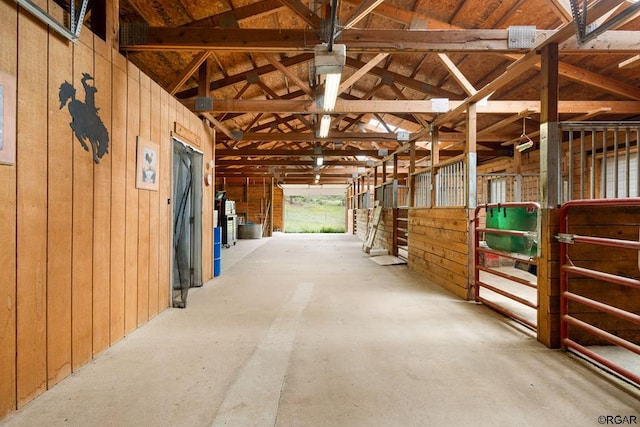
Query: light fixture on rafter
329	61
317	150
325	122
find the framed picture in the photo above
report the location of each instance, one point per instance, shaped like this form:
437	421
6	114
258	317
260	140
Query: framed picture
7	119
147	165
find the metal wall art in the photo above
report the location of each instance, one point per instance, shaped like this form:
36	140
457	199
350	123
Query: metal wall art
86	124
148	160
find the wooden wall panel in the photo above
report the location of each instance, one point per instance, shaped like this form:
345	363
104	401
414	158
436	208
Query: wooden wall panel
143	208
439	247
164	260
207	203
118	155
102	205
70	260
60	215
82	258
131	220
31	160
154	205
8	64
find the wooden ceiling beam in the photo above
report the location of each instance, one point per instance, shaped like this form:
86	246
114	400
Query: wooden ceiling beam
303	12
361	72
250	152
624	39
363	9
412	106
457	74
527	61
484	41
275	162
281	40
188	71
253	10
240	77
289	74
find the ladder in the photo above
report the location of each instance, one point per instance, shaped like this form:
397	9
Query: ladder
372	228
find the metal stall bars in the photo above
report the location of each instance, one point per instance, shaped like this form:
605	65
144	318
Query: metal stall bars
601	160
501	239
568	317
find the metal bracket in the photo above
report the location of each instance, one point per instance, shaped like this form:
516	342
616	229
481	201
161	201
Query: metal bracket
586	32
71	34
521	37
565	238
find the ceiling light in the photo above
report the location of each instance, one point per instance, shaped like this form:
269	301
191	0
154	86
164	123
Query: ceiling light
325	122
319	160
330	64
331	85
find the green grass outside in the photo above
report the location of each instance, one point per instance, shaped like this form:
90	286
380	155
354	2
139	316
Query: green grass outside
314	214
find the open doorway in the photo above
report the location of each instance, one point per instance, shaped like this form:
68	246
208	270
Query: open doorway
187	222
315	209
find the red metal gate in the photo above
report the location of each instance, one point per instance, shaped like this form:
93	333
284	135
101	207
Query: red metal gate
592	324
512	286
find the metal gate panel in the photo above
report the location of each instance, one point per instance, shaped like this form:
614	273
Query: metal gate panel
570	271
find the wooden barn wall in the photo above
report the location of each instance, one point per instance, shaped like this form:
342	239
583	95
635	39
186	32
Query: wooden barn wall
615	223
85	255
439	247
252	197
278	209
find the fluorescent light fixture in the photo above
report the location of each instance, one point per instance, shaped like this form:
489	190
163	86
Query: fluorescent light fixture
317	177
330	64
331	85
325	122
319	160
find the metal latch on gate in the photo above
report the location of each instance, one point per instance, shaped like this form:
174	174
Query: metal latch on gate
566	238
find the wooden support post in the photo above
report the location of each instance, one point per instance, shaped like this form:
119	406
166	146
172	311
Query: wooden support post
204	77
471	152
384	171
470	188
375	176
548	262
412	168
435	159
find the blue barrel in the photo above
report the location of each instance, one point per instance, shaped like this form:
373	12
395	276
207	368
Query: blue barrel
217	250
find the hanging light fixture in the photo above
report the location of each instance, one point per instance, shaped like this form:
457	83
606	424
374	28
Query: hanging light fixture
325	122
329	61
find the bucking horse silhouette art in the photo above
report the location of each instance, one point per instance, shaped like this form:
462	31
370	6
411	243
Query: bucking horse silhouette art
86	123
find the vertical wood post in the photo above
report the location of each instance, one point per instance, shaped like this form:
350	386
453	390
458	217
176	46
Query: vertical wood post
411	182
435	159
471	155
548	263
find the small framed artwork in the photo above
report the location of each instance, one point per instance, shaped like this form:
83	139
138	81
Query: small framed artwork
147	165
7	119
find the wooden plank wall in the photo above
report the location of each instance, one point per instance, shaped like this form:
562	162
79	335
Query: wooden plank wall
251	197
439	247
85	256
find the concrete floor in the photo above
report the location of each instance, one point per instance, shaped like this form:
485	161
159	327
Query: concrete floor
306	331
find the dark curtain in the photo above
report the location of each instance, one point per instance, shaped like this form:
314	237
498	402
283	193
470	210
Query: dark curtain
187	222
182	206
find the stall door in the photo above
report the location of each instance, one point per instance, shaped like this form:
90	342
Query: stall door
187	222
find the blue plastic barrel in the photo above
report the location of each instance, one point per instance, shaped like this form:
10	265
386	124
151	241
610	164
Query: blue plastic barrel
217	250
